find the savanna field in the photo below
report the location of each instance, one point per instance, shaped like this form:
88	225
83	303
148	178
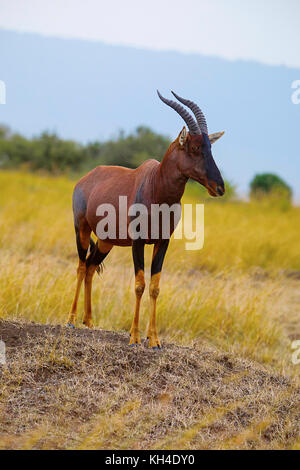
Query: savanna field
227	316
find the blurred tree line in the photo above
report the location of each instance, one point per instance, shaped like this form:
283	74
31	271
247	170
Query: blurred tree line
48	152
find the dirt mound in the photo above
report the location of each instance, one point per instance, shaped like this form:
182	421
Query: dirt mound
64	388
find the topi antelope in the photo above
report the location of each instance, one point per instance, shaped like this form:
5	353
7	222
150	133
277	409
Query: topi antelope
153	182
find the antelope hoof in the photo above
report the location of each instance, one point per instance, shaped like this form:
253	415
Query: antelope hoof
89	323
134	345
154	343
135	339
70	325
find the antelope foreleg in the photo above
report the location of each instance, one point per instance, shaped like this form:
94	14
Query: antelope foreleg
152	331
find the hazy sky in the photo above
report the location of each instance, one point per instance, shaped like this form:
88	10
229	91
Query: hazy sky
263	30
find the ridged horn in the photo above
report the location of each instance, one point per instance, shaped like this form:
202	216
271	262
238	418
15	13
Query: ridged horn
196	110
189	120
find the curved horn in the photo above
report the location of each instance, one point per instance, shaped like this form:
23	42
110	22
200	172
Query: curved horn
193	127
196	110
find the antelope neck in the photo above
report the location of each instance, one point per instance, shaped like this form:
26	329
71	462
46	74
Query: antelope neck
169	182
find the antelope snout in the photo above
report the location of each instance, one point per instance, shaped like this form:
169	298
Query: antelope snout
215	189
220	189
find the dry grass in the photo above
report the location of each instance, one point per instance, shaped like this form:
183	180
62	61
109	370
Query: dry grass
240	294
87	390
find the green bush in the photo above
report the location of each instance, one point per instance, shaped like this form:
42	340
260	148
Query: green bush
268	184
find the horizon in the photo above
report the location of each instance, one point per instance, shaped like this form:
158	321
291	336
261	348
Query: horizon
155	27
149	49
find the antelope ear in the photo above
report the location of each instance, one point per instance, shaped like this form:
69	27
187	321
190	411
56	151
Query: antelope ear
214	137
182	136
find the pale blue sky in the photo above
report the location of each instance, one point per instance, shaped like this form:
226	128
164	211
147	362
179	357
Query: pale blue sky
264	30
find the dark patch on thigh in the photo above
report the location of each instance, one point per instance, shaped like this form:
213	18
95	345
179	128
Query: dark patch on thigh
81	251
96	257
79	205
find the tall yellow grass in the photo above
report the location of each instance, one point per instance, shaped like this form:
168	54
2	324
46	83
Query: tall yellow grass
231	292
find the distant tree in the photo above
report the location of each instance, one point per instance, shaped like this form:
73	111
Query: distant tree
133	149
54	154
4	131
267	184
15	150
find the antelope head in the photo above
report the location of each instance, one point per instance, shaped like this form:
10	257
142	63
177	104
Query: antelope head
194	156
